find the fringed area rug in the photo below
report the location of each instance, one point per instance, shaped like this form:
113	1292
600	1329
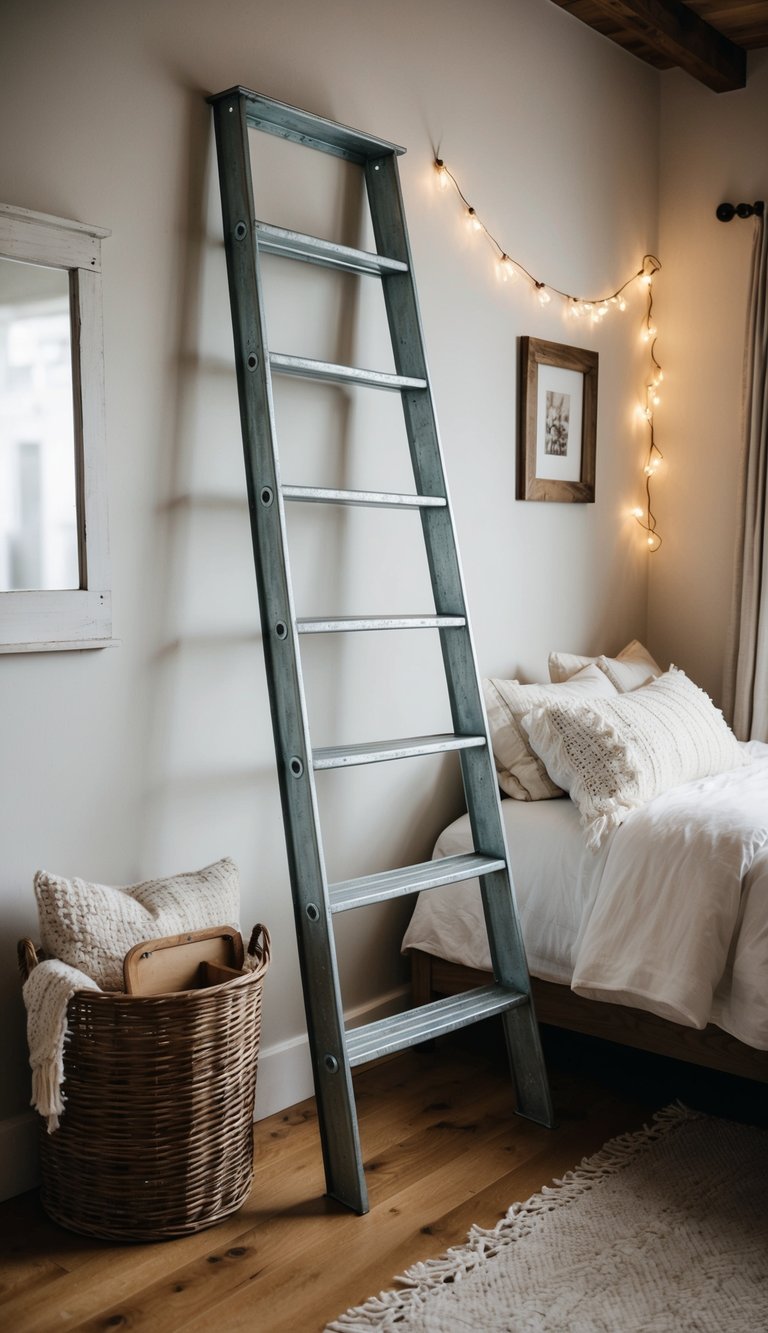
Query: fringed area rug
661	1231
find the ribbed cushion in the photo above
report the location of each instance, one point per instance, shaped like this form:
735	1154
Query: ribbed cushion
613	755
92	926
521	774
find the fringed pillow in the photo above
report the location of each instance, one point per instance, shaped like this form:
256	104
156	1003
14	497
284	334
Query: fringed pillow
613	755
92	926
520	772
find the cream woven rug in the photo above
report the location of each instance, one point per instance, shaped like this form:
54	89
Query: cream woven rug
662	1231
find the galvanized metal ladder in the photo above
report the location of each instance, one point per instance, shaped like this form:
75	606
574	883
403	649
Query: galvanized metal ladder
335	1050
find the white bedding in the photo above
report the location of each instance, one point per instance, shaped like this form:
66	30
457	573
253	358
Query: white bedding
670	916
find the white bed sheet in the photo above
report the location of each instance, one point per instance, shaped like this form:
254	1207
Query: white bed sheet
554	879
574	913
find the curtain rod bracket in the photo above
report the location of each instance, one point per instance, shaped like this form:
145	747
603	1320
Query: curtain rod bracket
725	212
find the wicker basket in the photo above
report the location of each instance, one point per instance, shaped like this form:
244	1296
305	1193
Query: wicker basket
156	1139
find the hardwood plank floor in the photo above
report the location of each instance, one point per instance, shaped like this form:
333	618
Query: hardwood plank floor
443	1150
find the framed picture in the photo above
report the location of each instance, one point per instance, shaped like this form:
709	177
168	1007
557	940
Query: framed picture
558	422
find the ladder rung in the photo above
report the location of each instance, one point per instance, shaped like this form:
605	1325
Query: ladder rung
376	752
326	370
429	1020
383	499
313	250
386	884
342	624
289	122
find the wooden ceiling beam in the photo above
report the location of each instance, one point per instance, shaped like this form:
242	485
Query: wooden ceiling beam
675	31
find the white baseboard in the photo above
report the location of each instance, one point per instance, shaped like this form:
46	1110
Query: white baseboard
285	1077
285	1070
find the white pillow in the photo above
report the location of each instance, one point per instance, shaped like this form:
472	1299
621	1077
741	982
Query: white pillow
633	667
615	754
521	774
92	926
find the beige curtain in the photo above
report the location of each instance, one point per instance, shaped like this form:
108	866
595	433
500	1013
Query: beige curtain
746	677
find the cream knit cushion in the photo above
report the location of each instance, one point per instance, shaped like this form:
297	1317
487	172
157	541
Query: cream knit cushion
92	926
613	755
521	774
633	667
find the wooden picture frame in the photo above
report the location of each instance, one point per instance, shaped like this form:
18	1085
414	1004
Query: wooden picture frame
557	431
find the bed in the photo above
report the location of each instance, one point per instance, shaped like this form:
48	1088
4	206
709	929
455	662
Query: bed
646	924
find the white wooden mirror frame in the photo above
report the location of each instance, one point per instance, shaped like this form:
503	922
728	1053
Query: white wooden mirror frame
34	621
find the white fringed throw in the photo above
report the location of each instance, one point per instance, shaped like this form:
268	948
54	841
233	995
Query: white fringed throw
47	992
663	1231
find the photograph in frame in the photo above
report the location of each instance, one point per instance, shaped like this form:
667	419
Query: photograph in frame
558	422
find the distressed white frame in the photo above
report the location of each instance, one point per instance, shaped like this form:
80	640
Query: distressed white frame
36	621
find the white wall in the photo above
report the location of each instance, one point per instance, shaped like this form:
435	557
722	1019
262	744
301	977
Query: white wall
156	755
713	149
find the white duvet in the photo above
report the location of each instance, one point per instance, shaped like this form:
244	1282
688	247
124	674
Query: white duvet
671	916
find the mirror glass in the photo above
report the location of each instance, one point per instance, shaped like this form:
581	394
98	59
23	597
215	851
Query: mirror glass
38	491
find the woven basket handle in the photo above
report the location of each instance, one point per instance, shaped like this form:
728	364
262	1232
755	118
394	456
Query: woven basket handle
259	949
27	956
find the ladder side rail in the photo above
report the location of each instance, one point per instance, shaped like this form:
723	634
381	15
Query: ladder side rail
478	770
401	302
316	946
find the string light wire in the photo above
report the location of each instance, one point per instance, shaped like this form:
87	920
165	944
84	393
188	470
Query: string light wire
595	309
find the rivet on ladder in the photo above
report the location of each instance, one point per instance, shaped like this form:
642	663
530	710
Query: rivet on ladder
241	231
253	361
331	1064
266	495
296	766
313	911
281	629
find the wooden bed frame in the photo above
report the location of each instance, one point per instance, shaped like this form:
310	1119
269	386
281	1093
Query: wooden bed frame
558	1006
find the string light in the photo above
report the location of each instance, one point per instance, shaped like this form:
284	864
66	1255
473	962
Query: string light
505	269
654	377
593	311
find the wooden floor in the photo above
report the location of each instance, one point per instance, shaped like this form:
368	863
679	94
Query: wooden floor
442	1147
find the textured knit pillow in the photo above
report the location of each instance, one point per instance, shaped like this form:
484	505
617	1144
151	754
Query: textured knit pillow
92	926
615	754
633	667
521	774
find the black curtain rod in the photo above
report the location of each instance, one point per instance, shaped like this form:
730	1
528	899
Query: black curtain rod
724	212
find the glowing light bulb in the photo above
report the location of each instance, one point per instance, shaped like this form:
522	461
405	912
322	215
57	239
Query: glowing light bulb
650	539
646	279
655	400
656	463
603	309
622	303
544	296
442	173
660	377
473	219
506	271
576	310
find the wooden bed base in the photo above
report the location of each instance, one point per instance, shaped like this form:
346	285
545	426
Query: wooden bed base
558	1006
